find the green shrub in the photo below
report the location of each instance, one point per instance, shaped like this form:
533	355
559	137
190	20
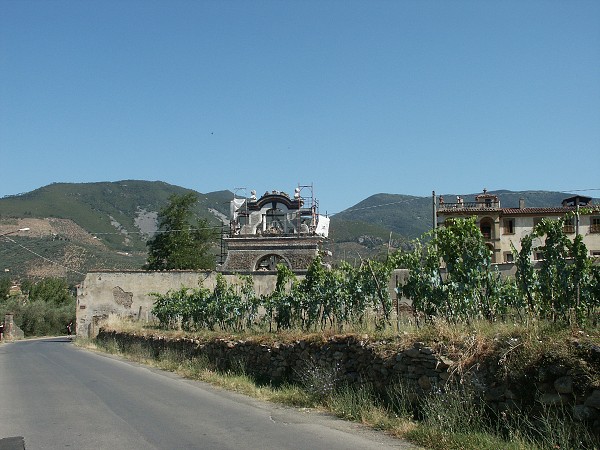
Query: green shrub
47	311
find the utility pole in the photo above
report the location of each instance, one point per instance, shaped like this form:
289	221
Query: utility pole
576	235
434	205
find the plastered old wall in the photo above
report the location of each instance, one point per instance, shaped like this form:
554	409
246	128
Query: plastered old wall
128	294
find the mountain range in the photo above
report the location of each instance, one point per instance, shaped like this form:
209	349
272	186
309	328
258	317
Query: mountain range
77	227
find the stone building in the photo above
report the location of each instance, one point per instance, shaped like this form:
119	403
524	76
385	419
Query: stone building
503	228
274	229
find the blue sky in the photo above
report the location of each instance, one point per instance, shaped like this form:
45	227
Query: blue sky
354	97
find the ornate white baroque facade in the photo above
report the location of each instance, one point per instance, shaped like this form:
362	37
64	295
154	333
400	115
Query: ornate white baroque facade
274	229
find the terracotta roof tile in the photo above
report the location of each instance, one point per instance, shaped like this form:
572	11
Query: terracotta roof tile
557	210
547	210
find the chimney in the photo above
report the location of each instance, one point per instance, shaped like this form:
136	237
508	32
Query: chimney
521	203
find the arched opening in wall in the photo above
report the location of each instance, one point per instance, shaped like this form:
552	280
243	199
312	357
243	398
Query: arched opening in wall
269	263
487	226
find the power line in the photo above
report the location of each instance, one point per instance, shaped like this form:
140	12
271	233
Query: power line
124	232
43	257
421	198
580	190
378	206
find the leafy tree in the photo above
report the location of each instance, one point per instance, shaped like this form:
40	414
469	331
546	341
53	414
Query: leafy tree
41	318
566	285
526	277
179	243
451	274
227	307
4	288
51	290
46	310
26	285
282	305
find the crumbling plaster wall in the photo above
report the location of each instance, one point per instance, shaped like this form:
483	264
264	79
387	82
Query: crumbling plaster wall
128	294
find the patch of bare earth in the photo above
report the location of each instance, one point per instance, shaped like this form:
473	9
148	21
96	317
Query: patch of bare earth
50	227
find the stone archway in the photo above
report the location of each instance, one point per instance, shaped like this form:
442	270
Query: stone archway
269	262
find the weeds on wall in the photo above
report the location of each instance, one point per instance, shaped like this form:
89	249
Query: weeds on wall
319	380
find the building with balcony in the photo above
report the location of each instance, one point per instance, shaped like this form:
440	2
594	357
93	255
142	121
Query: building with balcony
503	228
274	229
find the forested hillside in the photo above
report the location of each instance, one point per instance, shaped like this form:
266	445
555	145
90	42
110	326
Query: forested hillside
76	227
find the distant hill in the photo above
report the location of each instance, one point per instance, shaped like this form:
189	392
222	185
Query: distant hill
122	213
84	226
404	215
408	217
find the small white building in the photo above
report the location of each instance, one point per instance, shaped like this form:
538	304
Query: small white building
503	228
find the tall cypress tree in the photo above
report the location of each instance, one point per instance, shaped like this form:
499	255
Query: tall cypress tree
180	243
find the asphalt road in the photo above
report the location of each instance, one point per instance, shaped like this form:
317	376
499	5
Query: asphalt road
54	395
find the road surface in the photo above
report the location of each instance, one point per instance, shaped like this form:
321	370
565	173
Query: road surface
54	395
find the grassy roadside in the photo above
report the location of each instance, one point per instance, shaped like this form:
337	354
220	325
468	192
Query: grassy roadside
455	420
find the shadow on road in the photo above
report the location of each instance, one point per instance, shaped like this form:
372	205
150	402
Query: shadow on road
12	443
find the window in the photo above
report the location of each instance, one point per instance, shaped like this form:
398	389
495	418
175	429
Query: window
595	225
568	226
275	221
595	253
486	230
243	219
509	257
509	226
486	227
538	256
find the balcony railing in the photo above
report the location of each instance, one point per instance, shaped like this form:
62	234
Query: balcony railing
468	205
